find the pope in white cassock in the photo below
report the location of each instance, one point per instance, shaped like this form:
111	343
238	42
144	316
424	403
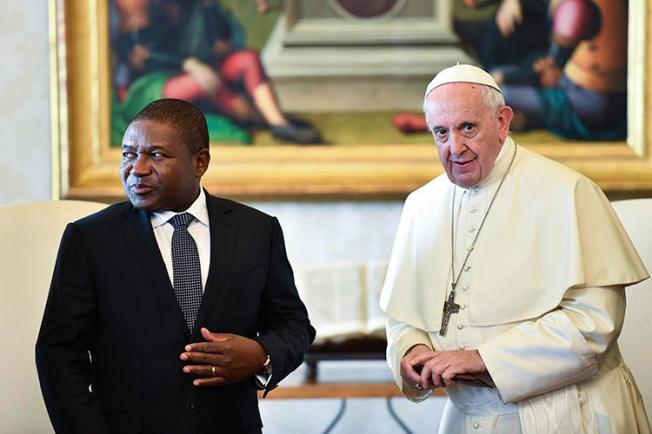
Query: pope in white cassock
506	283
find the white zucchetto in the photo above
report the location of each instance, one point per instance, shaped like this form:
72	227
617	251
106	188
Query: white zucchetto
462	74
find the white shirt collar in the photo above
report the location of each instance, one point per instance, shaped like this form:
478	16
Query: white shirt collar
198	209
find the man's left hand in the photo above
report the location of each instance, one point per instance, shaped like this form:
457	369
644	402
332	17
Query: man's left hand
224	358
440	368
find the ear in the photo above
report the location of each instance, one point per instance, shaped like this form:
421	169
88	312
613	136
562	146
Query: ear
505	115
202	160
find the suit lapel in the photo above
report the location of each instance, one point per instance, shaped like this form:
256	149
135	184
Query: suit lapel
223	230
138	232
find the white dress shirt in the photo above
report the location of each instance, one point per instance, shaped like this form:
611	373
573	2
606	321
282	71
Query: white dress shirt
199	229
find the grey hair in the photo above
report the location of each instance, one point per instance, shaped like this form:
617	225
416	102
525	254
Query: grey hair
492	98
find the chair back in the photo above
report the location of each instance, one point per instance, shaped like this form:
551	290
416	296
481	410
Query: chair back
635	339
29	240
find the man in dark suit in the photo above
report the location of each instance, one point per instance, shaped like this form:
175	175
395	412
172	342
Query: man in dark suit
166	313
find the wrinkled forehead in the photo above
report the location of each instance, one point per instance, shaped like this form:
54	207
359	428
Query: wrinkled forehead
457	103
150	132
145	124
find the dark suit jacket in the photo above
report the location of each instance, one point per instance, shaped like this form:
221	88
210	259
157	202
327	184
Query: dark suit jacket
111	298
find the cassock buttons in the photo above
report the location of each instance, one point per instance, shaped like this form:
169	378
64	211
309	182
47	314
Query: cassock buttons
476	426
462	306
467	268
465	288
472	229
460	326
462	347
474	210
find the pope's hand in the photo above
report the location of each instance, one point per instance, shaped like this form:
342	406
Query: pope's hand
440	368
224	358
410	370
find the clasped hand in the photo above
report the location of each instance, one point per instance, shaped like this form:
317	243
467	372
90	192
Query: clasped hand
427	369
224	358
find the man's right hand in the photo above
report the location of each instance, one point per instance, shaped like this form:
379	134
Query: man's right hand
411	371
222	359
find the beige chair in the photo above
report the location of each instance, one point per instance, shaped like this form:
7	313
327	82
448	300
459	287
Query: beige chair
29	239
635	339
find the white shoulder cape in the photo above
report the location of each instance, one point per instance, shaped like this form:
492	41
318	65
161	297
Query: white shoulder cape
550	229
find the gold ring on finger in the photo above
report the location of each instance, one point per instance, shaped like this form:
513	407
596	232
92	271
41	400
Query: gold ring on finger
213	371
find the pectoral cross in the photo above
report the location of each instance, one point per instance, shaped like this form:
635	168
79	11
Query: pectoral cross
449	307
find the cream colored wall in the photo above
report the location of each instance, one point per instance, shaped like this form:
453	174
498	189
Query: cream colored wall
25	172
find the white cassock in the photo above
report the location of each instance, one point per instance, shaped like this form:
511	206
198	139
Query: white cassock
542	299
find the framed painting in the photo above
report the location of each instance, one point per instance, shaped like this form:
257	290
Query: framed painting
319	80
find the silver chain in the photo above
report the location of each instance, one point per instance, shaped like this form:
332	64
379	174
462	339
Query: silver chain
477	234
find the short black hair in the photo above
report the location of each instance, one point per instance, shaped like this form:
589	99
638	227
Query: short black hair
187	119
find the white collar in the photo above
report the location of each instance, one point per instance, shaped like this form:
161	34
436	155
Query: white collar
500	166
198	209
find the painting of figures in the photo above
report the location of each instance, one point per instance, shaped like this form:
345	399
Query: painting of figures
309	99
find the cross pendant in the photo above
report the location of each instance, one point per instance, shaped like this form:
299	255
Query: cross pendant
450	307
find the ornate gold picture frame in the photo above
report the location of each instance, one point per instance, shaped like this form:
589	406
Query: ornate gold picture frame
87	166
